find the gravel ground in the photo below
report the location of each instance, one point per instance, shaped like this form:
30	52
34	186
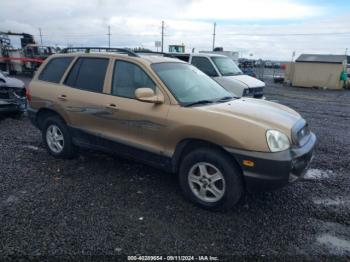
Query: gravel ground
99	204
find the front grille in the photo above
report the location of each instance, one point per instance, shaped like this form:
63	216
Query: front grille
4	95
9	106
258	92
11	93
254	92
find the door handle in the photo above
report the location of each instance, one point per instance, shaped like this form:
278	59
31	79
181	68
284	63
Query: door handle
112	106
62	97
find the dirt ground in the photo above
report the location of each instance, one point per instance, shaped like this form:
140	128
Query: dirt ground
100	205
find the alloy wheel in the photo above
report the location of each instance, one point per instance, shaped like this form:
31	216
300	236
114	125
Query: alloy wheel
206	182
55	139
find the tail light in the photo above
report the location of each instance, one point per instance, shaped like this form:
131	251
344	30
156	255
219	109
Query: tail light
28	96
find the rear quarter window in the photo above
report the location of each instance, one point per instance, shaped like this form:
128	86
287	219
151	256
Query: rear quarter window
55	69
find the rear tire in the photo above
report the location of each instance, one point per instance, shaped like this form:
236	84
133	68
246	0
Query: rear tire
211	179
57	139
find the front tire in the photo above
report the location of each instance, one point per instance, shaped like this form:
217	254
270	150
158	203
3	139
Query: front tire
57	139
211	179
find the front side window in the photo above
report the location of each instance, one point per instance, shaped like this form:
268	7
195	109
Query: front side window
127	77
188	84
88	74
226	66
55	69
203	64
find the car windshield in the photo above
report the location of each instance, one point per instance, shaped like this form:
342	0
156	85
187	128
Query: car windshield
189	85
226	66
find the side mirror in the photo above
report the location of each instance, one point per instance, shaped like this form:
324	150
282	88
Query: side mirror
147	95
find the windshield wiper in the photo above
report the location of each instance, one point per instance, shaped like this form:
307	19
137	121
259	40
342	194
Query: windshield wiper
200	102
224	99
233	74
203	102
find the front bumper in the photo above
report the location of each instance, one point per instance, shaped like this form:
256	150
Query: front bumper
270	171
9	106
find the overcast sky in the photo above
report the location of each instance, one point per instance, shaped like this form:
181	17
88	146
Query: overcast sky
268	29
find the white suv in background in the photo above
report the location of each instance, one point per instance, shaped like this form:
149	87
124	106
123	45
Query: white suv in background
224	71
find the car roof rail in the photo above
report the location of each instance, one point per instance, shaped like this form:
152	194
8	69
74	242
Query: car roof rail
99	49
149	52
159	53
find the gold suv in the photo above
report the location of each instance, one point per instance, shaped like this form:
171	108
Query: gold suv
167	113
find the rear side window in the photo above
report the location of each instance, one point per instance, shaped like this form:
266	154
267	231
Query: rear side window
55	69
203	64
127	77
88	74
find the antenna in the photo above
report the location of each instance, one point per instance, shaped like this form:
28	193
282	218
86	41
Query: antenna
162	36
109	36
214	34
41	36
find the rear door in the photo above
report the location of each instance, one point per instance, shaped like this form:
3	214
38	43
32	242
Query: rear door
46	87
82	96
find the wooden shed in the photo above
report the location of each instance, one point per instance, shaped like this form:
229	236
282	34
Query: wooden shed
322	71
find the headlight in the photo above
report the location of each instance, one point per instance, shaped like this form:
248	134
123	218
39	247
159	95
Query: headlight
277	141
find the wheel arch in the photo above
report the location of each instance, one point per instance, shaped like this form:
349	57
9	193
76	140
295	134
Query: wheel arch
44	113
187	145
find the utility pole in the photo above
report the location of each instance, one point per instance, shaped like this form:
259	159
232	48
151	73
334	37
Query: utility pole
41	36
214	34
162	36
109	36
293	55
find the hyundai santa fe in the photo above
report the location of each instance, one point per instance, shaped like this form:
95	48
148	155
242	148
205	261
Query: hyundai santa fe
168	114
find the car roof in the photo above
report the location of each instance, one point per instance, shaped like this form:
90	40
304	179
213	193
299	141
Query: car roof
208	55
148	59
160	59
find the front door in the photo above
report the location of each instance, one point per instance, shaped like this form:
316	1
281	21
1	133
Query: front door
146	122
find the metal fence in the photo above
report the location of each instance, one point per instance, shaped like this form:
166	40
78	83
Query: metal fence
263	71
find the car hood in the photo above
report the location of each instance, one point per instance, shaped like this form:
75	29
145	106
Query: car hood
246	80
237	84
268	115
11	82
